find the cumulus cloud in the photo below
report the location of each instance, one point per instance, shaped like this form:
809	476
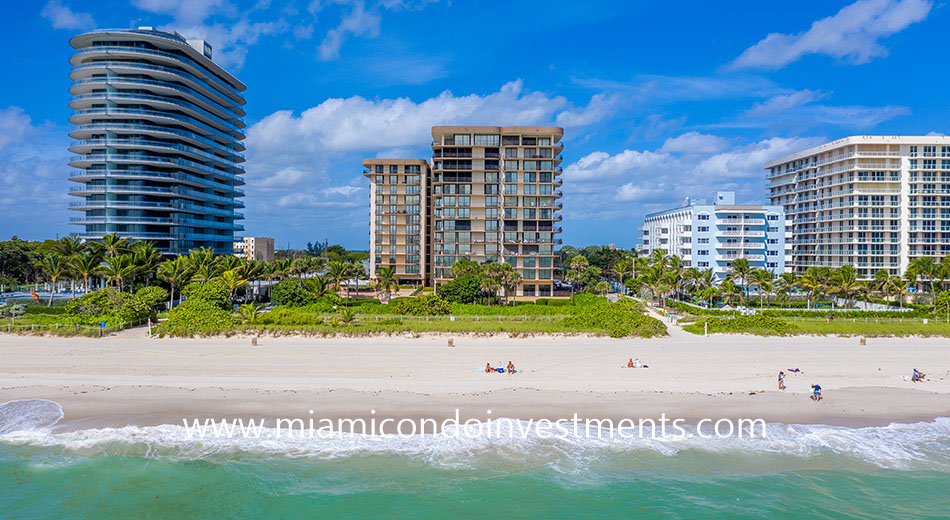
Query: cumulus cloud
694	143
62	17
312	159
853	35
33	173
621	187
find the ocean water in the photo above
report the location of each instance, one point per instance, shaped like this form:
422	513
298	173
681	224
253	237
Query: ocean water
896	471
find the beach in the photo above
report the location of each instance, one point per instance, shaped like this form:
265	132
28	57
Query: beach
80	415
129	378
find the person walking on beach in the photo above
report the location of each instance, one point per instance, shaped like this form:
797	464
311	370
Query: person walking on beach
816	393
781	380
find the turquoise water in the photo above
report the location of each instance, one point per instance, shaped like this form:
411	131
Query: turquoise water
898	471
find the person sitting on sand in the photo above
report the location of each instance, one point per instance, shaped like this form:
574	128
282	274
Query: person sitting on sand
630	363
918	376
488	368
816	393
781	380
637	364
511	367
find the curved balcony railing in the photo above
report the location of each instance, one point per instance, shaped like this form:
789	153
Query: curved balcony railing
131	68
157	190
107	96
163	55
154	129
161	145
122	220
226	107
128	234
138	159
158	114
148	175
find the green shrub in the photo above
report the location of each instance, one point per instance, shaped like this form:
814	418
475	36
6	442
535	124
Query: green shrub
291	292
111	306
153	296
196	317
428	305
623	318
583	299
289	316
466	288
559	302
215	293
39	309
759	324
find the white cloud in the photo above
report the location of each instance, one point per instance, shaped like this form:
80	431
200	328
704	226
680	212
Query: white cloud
798	111
852	34
601	166
360	124
601	106
694	143
748	161
33	173
357	22
62	17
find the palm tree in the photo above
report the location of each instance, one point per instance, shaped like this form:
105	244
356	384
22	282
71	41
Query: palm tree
249	311
899	286
763	280
233	280
741	269
85	265
812	281
881	285
118	269
204	264
177	272
67	247
347	315
846	282
112	245
786	285
254	271
337	272
317	286
230	263
146	257
924	268
386	281
55	267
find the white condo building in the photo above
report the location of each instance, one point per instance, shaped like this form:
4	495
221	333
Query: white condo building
875	202
712	236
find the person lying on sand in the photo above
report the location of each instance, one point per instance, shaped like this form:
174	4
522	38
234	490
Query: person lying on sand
795	371
488	368
816	393
511	368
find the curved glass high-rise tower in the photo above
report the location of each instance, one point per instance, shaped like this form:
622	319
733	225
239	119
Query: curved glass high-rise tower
158	129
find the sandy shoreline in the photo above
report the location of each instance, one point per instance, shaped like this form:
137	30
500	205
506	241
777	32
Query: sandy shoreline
131	379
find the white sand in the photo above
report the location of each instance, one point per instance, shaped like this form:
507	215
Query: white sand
130	378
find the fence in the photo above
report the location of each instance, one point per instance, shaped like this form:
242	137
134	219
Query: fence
68	327
456	317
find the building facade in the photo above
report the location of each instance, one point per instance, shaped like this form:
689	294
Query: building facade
398	232
712	236
255	248
490	194
874	202
158	129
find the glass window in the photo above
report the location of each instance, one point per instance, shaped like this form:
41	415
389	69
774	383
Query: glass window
487	140
393	168
462	140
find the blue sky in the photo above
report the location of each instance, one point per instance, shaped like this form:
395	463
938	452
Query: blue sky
659	100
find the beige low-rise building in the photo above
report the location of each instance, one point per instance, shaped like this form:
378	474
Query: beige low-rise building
255	248
490	194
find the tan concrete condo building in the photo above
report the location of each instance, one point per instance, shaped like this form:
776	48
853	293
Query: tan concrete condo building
875	202
490	195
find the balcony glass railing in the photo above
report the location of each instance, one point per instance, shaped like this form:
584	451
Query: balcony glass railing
227	106
107	96
128	158
158	114
209	79
149	143
156	129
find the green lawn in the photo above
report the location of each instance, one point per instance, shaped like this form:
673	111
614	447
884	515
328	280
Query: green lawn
821	326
